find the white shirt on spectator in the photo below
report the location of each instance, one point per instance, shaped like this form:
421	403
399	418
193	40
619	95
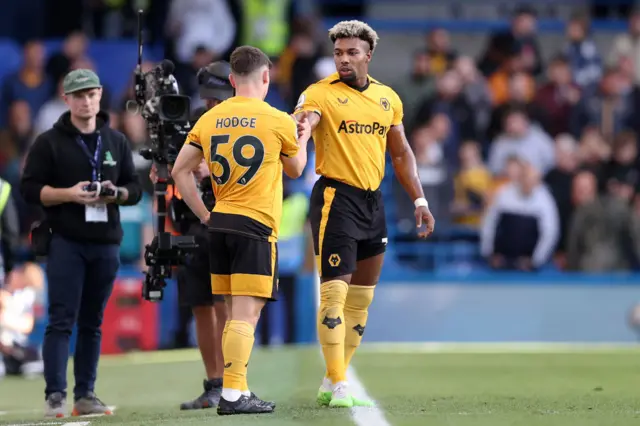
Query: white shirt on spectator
207	23
21	302
538	204
535	146
48	115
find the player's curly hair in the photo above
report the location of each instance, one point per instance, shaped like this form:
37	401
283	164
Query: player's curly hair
354	29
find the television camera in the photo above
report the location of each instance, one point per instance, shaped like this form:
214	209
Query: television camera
166	113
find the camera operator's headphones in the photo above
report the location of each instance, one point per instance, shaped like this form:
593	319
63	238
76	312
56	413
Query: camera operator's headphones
213	81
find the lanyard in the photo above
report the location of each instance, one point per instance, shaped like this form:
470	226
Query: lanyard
94	159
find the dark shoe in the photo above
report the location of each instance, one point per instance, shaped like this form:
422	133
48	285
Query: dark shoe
244	405
267	403
56	405
209	398
90	404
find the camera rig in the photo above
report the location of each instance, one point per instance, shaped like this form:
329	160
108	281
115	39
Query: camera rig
166	113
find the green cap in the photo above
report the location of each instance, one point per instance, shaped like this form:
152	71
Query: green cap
81	79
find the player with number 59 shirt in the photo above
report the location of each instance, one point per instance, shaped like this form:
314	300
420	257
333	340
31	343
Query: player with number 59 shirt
247	145
243	141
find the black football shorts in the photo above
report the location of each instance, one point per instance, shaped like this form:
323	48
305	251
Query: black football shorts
348	225
194	280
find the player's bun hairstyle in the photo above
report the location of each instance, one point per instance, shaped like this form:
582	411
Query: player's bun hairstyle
354	29
247	59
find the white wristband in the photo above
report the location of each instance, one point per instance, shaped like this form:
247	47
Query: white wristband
421	202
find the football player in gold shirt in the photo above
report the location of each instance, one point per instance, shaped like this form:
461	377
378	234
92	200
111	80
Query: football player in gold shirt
247	145
355	119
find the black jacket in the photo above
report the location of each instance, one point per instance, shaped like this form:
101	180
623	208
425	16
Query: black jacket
57	159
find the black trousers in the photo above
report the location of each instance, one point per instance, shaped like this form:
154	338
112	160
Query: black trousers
80	278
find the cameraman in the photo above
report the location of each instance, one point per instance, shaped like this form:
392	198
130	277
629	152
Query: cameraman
194	280
79	171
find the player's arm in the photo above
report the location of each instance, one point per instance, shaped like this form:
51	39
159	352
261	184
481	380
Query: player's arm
310	106
406	169
294	146
188	159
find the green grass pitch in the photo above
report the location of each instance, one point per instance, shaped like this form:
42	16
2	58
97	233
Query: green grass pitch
459	386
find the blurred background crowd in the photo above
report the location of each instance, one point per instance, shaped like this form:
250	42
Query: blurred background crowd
524	118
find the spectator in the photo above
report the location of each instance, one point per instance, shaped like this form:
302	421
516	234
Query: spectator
521	228
50	112
437	182
511	173
624	161
626	45
74	47
595	152
20	125
522	139
476	92
18	310
419	85
439	51
186	73
306	53
601	228
558	96
30	83
605	106
275	96
560	181
449	101
499	82
520	39
582	53
521	91
471	184
200	25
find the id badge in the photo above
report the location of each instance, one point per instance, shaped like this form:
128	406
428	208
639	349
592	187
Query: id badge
96	213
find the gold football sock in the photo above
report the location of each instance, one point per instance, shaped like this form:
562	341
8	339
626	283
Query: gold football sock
224	333
245	387
356	311
237	351
331	328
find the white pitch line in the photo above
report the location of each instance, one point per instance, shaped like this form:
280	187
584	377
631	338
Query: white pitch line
498	348
364	416
61	423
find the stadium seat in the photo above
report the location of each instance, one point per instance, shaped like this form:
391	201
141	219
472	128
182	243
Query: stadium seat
116	60
11	55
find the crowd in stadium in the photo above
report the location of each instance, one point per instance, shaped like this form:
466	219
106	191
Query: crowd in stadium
538	159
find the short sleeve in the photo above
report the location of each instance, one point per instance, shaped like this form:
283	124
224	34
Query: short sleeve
289	137
310	100
193	138
398	110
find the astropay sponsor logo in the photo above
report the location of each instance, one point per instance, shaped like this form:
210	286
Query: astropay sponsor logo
353	127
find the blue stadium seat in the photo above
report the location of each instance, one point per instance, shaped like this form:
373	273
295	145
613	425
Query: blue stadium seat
52	46
11	55
116	60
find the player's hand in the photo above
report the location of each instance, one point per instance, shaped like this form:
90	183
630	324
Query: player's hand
423	215
202	171
111	198
77	194
205	220
303	126
153	174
